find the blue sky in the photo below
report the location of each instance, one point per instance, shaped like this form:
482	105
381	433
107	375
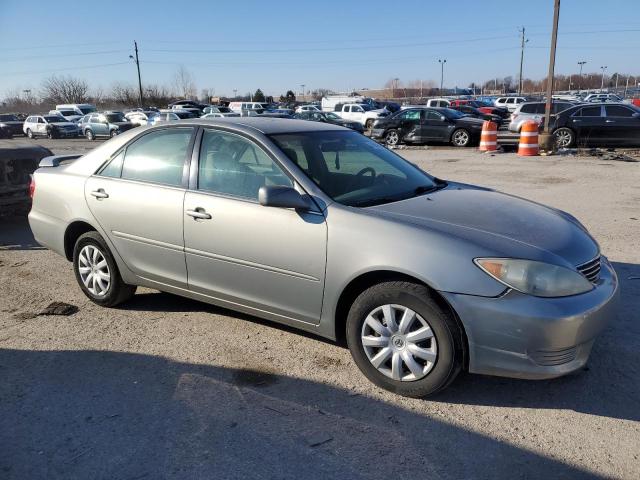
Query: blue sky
279	45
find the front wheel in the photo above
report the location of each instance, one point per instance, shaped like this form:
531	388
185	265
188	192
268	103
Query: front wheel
461	138
392	138
113	133
368	125
565	138
402	340
89	134
97	272
29	133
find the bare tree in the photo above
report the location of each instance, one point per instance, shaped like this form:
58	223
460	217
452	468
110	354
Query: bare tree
124	94
183	81
65	90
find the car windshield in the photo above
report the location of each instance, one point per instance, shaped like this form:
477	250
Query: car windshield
67	113
354	170
86	110
333	116
452	114
184	114
8	118
224	109
115	117
55	118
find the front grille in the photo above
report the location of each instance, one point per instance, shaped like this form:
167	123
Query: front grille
554	357
591	270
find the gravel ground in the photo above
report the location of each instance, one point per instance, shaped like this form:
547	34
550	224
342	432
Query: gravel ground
165	387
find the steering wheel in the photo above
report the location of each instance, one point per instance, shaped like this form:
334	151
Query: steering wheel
365	170
360	174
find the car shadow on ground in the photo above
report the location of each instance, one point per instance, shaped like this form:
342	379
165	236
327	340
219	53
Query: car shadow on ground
609	386
15	234
105	414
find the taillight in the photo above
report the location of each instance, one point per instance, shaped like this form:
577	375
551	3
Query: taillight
32	187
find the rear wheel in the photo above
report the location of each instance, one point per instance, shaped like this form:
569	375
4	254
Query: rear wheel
402	340
97	272
461	138
392	138
89	134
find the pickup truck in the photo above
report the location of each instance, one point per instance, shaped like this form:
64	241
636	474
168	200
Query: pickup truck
360	113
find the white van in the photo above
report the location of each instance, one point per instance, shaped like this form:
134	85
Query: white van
329	103
247	109
79	108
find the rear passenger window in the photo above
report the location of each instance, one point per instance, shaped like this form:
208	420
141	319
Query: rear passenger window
158	157
618	111
114	167
589	112
530	108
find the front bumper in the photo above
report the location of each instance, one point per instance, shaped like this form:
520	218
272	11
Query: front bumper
377	132
521	336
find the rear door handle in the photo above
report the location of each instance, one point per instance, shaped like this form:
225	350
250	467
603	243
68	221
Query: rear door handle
100	193
199	213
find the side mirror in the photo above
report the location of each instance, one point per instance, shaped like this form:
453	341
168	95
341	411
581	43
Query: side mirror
282	197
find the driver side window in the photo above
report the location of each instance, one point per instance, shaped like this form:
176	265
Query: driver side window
232	165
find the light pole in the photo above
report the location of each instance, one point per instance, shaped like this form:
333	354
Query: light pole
602	82
521	59
441	62
581	64
234	93
302	86
552	66
137	62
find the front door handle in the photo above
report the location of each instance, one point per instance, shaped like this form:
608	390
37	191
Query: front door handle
100	194
199	213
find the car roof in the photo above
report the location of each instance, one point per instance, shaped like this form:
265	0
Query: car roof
267	126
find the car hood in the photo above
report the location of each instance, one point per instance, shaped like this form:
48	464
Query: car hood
12	123
503	224
63	124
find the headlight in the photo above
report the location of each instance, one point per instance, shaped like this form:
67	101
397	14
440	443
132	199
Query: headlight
535	278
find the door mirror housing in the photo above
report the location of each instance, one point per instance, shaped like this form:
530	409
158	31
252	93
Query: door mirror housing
282	197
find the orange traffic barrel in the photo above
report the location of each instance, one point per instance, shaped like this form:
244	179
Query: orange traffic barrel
528	146
489	137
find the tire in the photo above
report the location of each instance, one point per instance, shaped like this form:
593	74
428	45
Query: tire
445	346
564	137
392	137
368	125
113	133
30	133
461	138
89	134
115	291
51	134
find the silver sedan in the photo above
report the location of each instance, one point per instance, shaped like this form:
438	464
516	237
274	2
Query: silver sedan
316	226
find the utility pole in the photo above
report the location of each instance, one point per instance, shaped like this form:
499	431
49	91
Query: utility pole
137	60
302	85
552	66
602	82
523	41
442	62
581	65
234	93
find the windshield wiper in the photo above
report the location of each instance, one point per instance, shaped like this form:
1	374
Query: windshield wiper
422	189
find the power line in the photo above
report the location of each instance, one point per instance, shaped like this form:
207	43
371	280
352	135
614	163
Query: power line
85	67
34	57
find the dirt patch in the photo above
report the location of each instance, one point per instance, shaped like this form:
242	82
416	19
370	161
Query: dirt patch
328	362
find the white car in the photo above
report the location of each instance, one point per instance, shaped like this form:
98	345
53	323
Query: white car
510	103
208	116
141	118
308	108
602	97
50	126
68	114
223	111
